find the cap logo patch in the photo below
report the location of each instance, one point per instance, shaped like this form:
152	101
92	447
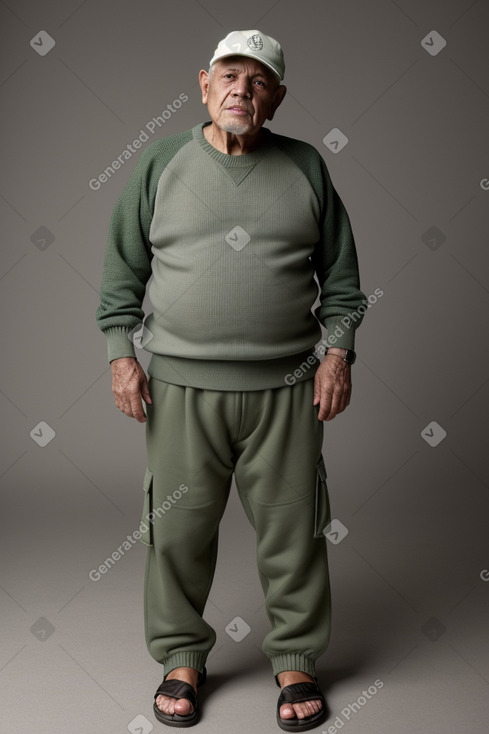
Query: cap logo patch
255	42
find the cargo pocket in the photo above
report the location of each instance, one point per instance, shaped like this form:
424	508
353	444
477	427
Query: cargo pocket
146	526
322	516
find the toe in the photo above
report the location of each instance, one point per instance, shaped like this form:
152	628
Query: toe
162	703
307	708
287	711
183	707
300	710
165	704
170	706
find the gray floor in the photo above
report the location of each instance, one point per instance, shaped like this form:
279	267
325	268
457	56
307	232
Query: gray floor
74	648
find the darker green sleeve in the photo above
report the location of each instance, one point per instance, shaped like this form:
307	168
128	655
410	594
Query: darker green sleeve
127	262
336	265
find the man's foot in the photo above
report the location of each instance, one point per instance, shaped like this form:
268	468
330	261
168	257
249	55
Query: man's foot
180	706
299	710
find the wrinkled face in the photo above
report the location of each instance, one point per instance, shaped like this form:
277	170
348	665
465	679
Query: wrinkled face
240	94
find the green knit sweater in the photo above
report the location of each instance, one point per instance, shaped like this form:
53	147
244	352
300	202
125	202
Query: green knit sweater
232	244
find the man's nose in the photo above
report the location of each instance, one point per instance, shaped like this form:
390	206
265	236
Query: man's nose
242	87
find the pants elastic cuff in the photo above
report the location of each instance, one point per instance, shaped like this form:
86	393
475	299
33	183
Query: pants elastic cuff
191	659
292	661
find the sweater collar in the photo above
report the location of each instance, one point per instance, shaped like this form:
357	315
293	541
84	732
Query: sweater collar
233	161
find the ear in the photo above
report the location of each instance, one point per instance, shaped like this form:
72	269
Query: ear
277	101
204	84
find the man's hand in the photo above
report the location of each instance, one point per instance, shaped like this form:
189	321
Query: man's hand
332	386
130	387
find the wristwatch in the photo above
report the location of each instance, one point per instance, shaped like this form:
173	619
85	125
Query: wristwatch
349	357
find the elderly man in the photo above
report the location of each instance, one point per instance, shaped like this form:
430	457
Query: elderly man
233	222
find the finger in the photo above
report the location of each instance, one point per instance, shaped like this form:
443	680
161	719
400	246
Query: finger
339	402
136	409
345	398
325	405
317	391
118	403
335	403
336	406
333	411
345	402
146	394
125	405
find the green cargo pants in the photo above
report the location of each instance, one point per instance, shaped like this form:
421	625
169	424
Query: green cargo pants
271	440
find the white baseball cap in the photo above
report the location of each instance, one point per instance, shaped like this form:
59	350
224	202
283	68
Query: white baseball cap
255	45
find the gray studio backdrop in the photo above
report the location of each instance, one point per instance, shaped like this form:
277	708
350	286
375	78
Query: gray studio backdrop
395	95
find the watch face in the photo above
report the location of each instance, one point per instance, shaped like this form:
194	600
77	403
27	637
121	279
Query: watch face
350	356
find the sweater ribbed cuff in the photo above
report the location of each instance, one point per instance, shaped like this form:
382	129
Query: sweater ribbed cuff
339	334
118	343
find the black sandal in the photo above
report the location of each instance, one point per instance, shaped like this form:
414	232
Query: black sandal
179	689
297	693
